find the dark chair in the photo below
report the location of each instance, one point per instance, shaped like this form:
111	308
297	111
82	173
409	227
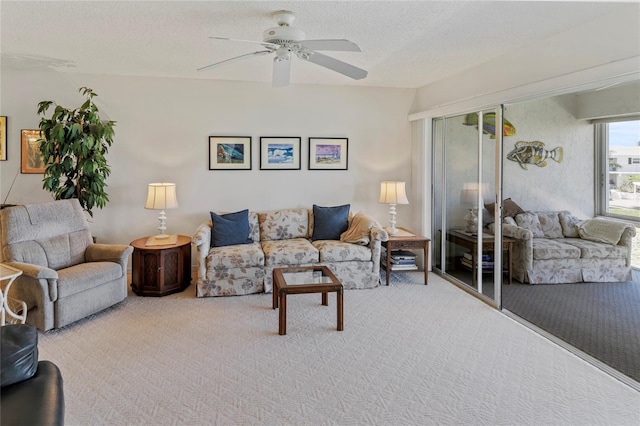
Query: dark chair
32	392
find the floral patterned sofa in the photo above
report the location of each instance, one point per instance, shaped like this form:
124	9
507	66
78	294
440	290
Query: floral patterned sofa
557	247
283	238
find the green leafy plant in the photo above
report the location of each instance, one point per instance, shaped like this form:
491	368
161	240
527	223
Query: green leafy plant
73	144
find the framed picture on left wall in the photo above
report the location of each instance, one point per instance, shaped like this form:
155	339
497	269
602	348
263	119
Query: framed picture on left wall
31	162
229	152
3	138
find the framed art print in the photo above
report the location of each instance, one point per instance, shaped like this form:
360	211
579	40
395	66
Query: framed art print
3	138
328	153
280	153
229	152
31	161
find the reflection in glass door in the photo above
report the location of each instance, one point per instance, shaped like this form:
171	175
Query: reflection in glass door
464	176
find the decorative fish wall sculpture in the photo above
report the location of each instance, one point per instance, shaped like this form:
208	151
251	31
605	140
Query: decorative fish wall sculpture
534	153
489	124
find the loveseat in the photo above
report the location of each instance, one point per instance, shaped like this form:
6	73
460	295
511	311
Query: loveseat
237	259
557	247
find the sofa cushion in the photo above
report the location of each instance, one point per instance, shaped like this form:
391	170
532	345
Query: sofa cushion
283	224
569	224
19	348
595	250
544	248
330	222
230	229
236	256
550	224
296	251
85	276
338	251
530	221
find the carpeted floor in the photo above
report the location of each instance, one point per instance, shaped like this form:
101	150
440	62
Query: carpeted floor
600	319
410	354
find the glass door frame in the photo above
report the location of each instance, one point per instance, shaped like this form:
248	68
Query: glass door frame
438	147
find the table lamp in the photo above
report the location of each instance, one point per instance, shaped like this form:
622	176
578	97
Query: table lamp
392	193
161	196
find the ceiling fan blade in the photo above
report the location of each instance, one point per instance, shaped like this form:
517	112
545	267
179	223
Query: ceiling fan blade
337	45
237	58
262	43
335	65
281	72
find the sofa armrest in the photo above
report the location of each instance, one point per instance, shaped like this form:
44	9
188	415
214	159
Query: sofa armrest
201	239
627	240
116	253
34	271
516	232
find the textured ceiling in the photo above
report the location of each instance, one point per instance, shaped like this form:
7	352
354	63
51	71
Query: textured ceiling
404	44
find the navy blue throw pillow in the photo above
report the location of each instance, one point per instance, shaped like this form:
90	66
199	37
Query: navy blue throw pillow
229	229
330	222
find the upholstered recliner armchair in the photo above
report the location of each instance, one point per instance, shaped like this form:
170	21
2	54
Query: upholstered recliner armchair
66	276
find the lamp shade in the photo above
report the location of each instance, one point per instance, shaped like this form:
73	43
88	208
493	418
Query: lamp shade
393	193
161	196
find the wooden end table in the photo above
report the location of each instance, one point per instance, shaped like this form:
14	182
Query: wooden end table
407	240
158	270
470	242
306	279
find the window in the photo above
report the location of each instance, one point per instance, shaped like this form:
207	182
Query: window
619	143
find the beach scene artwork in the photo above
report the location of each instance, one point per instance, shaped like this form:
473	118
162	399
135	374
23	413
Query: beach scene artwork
328	154
280	153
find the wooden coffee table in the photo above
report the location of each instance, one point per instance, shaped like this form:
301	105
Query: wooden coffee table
306	279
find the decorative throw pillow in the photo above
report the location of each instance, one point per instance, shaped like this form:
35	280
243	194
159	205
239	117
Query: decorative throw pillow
330	222
569	224
359	230
509	208
230	229
550	224
531	222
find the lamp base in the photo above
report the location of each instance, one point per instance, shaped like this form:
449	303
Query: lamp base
471	222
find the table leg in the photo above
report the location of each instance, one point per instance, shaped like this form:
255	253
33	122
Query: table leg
509	256
282	322
340	303
325	299
387	268
426	263
274	295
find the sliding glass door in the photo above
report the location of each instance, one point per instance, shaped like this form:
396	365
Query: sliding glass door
464	182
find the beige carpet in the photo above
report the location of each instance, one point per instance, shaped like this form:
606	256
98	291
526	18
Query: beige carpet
409	355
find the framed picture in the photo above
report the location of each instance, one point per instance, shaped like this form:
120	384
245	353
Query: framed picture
229	152
30	152
3	138
280	153
328	153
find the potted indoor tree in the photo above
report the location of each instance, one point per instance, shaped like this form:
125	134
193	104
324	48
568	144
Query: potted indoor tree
73	144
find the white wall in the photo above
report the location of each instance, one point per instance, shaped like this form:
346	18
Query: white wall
162	135
568	185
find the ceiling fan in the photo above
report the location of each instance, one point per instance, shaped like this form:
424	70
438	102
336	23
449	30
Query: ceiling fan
284	40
